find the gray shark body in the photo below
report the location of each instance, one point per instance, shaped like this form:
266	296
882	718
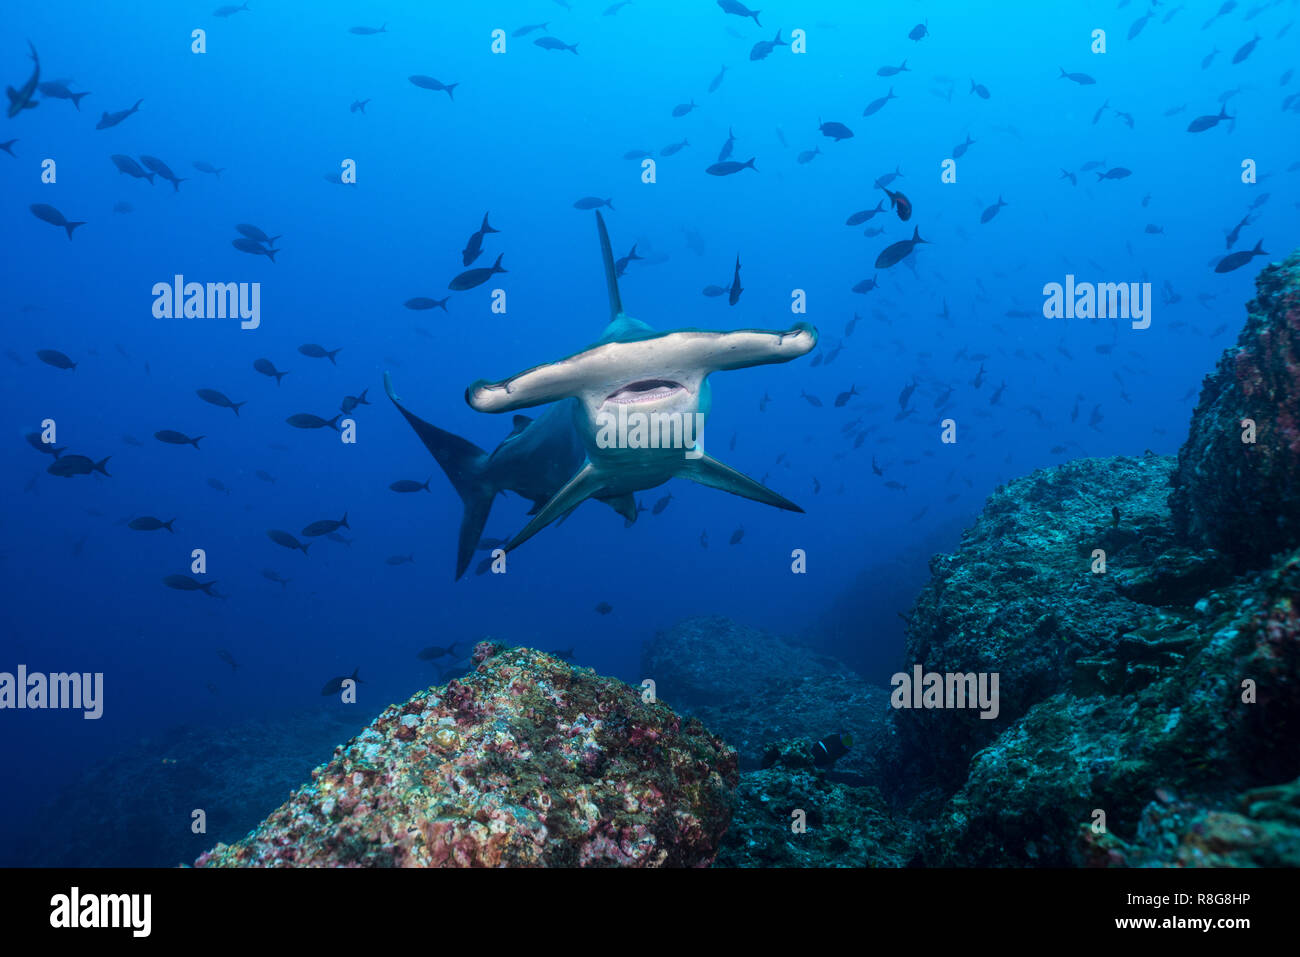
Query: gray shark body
562	458
663	377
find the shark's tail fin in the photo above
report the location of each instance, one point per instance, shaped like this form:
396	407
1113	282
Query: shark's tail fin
464	464
611	273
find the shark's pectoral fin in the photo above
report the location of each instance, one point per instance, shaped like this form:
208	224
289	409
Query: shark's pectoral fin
709	471
584	485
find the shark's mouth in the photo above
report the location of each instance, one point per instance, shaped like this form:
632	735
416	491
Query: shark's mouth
645	390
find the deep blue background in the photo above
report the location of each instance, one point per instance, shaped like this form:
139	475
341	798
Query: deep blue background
528	133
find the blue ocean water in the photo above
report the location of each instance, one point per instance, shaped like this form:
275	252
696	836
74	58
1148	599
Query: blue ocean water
528	132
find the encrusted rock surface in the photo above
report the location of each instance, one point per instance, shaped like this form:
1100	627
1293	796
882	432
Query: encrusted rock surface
524	762
1238	497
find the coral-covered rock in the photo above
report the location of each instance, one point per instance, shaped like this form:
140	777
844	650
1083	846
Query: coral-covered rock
1021	597
1239	497
1262	829
524	762
790	814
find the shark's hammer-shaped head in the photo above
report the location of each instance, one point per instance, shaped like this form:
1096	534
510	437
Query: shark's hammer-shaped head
632	371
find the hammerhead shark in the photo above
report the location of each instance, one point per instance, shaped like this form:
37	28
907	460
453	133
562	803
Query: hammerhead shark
566	455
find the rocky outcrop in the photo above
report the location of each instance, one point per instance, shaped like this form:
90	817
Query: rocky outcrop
524	762
1237	488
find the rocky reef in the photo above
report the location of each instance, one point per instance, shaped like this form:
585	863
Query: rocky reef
1150	705
526	761
1237	488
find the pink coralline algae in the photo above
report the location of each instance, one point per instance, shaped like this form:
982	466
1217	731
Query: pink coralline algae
1243	497
524	762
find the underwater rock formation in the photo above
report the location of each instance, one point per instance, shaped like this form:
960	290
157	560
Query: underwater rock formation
840	825
776	689
524	762
1239	496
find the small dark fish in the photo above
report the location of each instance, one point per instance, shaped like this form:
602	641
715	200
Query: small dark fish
717	80
400	560
1203	123
434	652
530	28
112	119
70	465
473	248
53	357
216	398
811	399
350	402
593	202
325	526
476	277
1081	78
621	264
762	403
762	48
554	43
672	149
287	540
604	608
48	448
229	10
1066	174
991	211
1236	231
866	285
1154	230
897	486
336	537
410	485
424	302
960	149
314	351
730	167
919	32
8	147
1238	259
429	83
368	31
980	89
250	231
205	167
162	169
186	583
874	107
20	100
681	109
172	437
47	213
228	658
714	291
842	399
267	368
836	131
739	9
737	535
253	248
265	476
733	295
565	654
893	70
335	685
218	485
1246	50
900	250
1119	172
807	156
704	539
130	167
860	217
900	203
305	420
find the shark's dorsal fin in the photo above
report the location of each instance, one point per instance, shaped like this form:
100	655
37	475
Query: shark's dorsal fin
611	274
